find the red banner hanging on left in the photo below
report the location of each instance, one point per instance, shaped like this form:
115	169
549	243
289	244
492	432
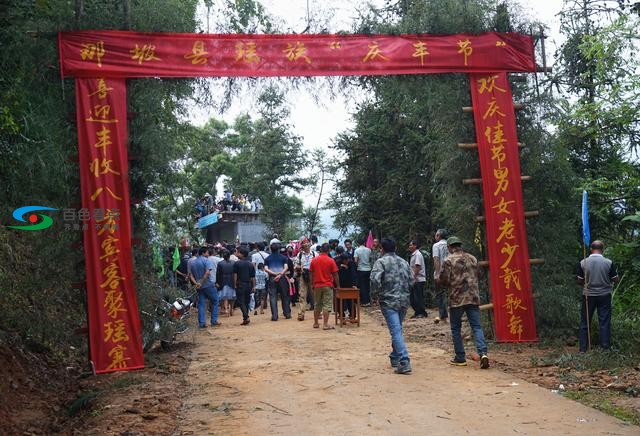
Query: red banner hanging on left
114	325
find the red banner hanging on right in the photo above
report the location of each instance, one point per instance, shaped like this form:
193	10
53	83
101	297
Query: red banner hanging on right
508	253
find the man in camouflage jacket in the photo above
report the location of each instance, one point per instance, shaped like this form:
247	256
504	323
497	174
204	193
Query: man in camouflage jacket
390	285
460	275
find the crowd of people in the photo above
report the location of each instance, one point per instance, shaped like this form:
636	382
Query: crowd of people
228	202
305	275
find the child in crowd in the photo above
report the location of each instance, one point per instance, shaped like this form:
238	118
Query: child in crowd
261	289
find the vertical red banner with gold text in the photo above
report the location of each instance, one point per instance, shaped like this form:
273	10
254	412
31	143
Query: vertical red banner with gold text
114	325
509	269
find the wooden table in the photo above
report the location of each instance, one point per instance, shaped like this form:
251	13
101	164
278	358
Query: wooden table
352	294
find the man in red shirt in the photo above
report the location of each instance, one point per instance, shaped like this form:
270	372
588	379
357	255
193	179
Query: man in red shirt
324	276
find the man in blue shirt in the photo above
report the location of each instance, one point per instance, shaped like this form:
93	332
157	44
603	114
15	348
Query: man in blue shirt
275	265
203	273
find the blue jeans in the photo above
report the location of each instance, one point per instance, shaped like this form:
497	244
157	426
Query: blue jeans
603	304
473	315
394	320
210	294
441	300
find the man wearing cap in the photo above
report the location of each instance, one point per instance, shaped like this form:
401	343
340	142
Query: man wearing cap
391	281
275	240
460	274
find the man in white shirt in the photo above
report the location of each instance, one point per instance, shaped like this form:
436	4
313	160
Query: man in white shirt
314	243
260	256
439	253
302	264
362	258
419	279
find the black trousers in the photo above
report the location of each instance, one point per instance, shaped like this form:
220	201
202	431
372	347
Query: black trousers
364	283
279	289
417	298
243	297
602	304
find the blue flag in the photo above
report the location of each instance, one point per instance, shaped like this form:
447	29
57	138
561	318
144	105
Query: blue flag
586	232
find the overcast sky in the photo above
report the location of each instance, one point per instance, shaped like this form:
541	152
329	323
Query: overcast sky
318	124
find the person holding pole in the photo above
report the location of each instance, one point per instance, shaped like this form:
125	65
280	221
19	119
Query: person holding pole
597	274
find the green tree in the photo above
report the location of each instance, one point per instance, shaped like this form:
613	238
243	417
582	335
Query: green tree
403	172
598	124
267	160
202	160
323	171
598	118
38	144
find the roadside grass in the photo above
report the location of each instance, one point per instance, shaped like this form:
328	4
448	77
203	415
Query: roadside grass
86	400
591	361
125	382
602	400
605	400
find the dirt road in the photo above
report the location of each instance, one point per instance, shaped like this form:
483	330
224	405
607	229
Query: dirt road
287	378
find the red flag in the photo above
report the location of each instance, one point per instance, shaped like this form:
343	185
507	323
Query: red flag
369	242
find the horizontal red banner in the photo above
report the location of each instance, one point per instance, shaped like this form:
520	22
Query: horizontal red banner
120	54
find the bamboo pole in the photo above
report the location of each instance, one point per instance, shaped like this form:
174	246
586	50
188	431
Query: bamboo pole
478	181
475	145
537	261
490	305
516	106
527	214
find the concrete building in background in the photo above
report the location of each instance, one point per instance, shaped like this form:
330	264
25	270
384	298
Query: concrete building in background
248	226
